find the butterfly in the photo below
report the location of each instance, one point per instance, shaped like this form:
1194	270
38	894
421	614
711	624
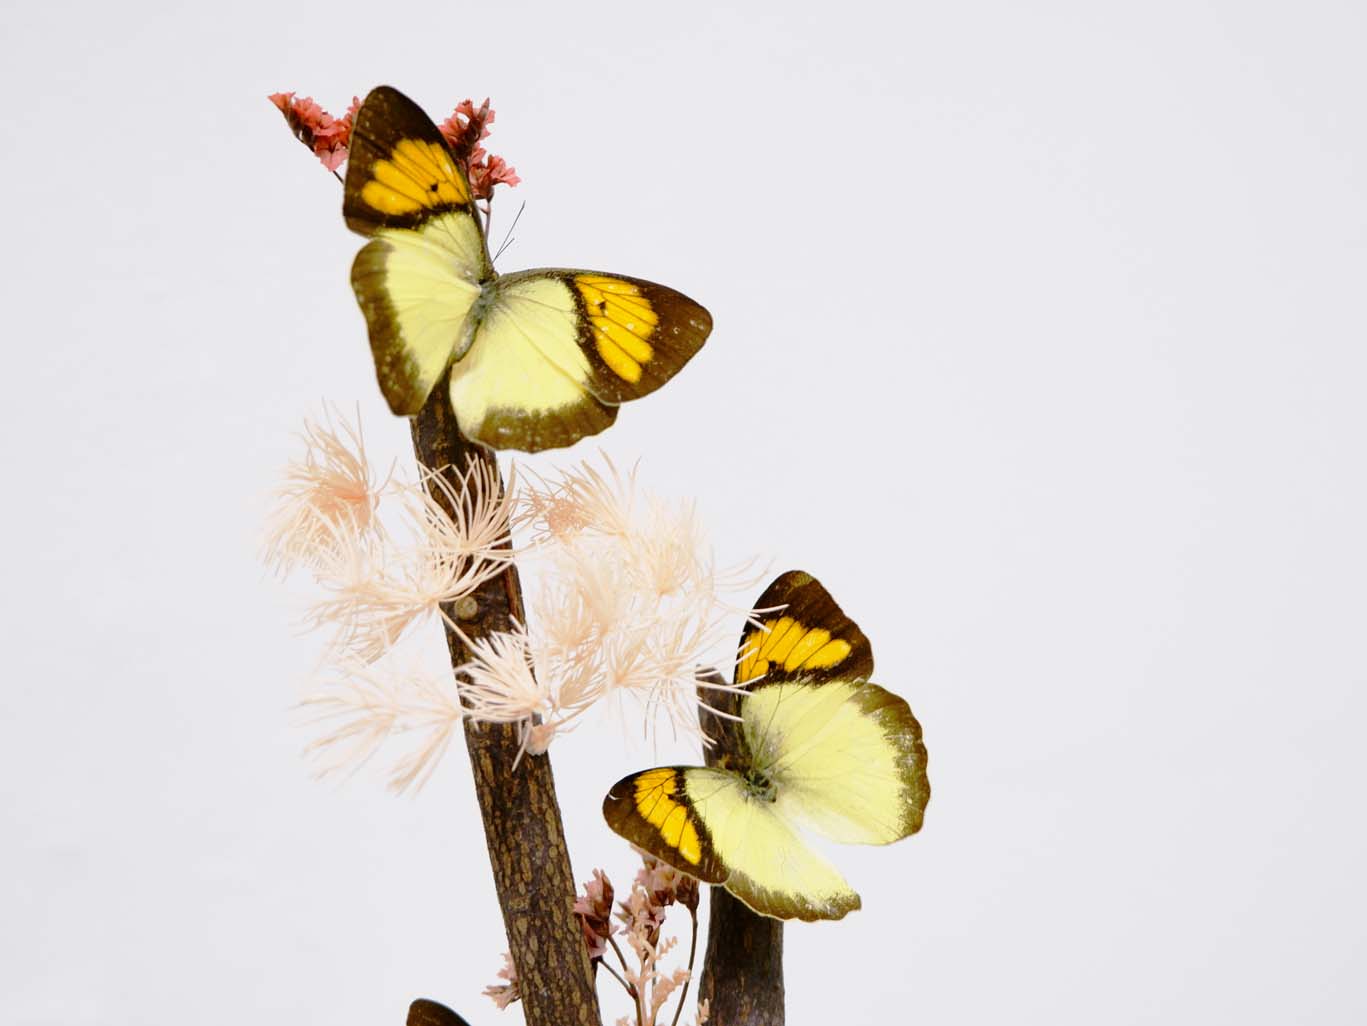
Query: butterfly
537	359
815	745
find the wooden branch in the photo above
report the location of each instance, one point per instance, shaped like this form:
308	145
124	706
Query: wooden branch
742	975
522	824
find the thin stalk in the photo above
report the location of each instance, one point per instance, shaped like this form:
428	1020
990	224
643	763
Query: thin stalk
692	951
631	991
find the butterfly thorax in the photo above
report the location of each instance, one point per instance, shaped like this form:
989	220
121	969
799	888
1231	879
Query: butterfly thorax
479	310
760	787
758	784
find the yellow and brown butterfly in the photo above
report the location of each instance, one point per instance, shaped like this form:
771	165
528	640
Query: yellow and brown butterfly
537	359
816	745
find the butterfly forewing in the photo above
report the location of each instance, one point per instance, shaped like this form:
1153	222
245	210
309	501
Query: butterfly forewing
654	811
845	758
420	275
798	632
400	171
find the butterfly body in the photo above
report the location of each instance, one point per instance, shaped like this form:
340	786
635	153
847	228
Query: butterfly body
532	360
816	745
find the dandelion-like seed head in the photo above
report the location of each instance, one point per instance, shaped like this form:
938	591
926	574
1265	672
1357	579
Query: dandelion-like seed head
629	607
364	704
325	498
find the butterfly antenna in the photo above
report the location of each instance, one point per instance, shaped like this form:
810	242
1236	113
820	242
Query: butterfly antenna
508	236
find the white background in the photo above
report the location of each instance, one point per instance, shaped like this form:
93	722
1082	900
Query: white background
1039	338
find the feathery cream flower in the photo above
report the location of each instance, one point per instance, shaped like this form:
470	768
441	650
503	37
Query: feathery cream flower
378	583
630	607
365	705
330	493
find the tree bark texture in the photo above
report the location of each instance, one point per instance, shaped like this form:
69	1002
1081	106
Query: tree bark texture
522	824
742	975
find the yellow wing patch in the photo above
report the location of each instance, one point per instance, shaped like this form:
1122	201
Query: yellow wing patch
798	631
791	646
622	321
418	175
655	803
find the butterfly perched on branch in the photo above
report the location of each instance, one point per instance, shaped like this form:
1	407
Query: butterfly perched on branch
816	745
536	359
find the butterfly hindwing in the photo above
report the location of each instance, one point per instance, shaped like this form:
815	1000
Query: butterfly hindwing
418	278
523	382
844	757
706	823
557	350
416	307
798	632
768	866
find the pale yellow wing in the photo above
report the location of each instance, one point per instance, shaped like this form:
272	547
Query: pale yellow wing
415	291
523	383
419	276
844	757
769	867
715	825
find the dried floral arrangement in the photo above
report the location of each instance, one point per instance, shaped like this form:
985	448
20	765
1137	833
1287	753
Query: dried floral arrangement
629	605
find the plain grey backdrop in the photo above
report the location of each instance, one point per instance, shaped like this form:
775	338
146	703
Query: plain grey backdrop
1039	338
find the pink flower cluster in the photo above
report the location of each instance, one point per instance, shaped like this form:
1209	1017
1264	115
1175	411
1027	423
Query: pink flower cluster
639	921
329	138
465	129
326	136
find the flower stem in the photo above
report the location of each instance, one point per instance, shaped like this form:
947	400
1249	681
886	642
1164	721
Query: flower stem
692	951
631	991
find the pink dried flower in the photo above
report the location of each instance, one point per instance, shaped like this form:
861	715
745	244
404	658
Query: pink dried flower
663	985
487	172
504	994
594	909
642	914
327	136
466	126
665	885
